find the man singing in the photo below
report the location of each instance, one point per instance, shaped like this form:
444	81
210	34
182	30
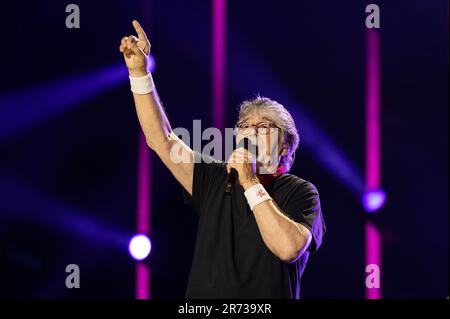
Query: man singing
253	241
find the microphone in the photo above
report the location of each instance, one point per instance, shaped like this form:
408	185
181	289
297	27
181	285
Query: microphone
233	175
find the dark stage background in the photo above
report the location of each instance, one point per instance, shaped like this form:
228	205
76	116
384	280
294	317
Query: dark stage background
68	159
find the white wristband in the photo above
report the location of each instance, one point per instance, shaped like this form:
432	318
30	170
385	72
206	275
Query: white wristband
142	84
256	195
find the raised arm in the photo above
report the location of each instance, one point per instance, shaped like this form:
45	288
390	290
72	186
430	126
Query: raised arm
153	120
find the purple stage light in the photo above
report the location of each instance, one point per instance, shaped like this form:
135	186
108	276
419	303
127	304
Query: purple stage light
219	29
373	256
373	200
151	63
41	209
143	213
374	197
23	109
140	247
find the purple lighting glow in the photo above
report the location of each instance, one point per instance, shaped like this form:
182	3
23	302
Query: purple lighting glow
26	108
374	197
373	200
373	169
140	247
143	214
373	256
151	63
219	13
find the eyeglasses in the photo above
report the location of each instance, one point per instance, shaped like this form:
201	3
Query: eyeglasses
261	128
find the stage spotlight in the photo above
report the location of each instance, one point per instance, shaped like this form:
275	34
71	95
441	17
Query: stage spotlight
24	109
140	247
373	200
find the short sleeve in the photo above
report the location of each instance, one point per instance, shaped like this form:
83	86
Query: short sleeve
207	171
303	206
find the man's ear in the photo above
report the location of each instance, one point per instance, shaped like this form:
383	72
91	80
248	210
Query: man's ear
284	150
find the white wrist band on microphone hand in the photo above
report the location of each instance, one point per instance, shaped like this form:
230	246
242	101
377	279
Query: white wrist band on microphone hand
142	84
256	195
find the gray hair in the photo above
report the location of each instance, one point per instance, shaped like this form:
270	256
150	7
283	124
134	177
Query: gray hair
278	115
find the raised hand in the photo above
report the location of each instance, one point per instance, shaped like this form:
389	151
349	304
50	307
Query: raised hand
135	51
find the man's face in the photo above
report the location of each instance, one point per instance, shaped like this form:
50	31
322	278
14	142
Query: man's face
265	139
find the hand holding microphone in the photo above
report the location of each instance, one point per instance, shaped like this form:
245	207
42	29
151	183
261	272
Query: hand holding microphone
242	166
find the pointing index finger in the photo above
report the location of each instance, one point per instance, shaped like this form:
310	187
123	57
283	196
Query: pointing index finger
140	32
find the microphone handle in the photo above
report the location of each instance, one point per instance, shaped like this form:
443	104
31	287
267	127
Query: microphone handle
232	177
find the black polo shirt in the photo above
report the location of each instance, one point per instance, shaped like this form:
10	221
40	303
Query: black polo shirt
231	259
